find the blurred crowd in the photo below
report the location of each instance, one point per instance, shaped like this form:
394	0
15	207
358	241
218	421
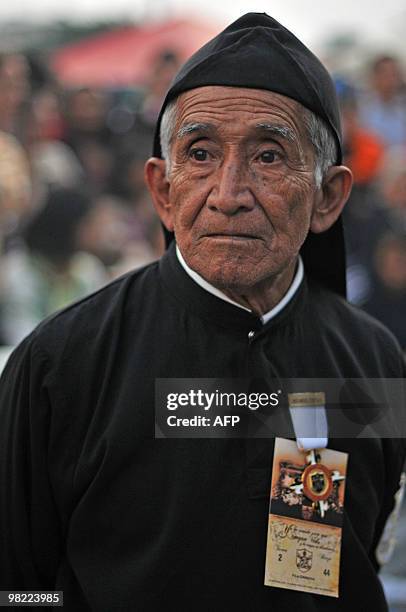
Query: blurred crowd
74	211
374	124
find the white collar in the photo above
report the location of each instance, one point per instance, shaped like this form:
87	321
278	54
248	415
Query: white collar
214	291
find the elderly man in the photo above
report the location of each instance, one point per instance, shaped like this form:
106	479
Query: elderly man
247	174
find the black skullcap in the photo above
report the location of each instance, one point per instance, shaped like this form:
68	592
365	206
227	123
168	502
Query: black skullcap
256	51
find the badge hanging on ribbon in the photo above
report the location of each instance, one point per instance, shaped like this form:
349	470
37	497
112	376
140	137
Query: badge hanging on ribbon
305	519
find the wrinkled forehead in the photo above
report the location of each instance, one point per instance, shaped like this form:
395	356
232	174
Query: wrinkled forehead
224	107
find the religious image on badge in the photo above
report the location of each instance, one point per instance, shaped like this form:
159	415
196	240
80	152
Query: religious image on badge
306	490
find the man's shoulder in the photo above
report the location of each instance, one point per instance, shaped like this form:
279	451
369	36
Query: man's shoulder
339	318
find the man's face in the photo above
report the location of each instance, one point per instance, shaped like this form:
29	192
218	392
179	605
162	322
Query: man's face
241	189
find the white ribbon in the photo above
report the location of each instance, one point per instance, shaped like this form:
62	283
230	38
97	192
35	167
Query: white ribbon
307	419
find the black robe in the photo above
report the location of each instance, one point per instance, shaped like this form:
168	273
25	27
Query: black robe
92	505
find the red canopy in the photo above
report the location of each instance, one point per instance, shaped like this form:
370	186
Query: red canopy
124	56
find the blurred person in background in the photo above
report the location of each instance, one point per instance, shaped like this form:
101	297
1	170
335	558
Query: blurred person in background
387	301
129	186
88	135
105	231
383	106
40	75
140	251
14	90
15	185
163	69
376	227
15	195
131	152
49	269
363	153
388	297
392	180
363	150
128	175
53	163
111	233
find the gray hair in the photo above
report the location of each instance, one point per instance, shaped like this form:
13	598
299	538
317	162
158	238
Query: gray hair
166	133
319	133
324	143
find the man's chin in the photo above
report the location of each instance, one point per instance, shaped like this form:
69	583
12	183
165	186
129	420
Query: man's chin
229	279
237	274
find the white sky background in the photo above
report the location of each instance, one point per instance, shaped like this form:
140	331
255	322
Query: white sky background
314	21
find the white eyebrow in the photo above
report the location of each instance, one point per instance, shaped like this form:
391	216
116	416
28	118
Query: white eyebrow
278	130
193	127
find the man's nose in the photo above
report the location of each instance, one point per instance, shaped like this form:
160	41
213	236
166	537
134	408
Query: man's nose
231	192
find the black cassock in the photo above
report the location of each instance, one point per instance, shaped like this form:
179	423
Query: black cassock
92	505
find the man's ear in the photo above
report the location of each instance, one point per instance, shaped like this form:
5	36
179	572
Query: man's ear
158	185
331	198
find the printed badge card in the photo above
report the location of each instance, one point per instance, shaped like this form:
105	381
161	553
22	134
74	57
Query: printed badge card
305	519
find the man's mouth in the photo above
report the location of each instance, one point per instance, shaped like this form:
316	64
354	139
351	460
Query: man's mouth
230	236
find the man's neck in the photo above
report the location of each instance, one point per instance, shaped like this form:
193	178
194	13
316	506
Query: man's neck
277	299
266	295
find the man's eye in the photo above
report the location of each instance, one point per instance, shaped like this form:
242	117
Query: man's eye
268	157
199	154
